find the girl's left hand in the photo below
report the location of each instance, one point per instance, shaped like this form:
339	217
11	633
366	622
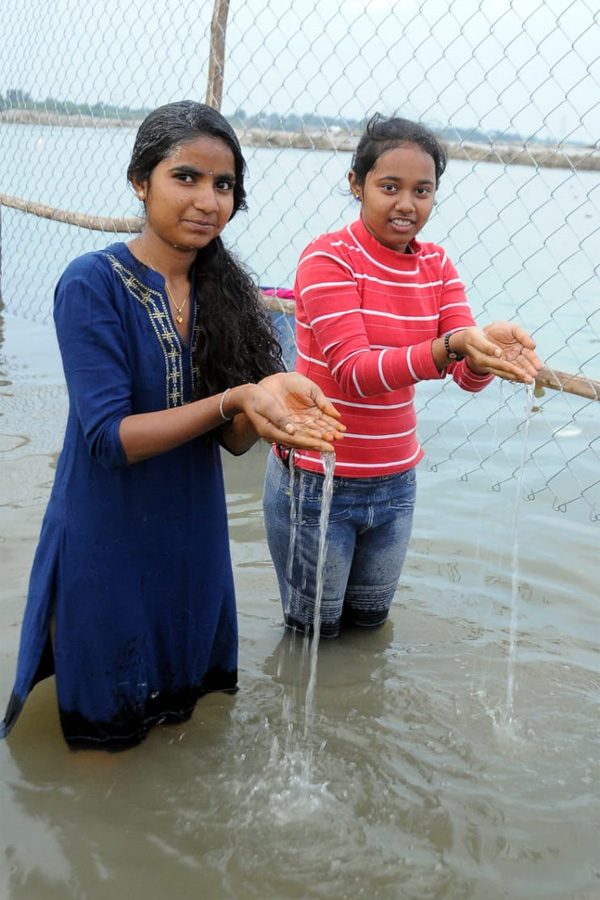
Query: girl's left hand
504	349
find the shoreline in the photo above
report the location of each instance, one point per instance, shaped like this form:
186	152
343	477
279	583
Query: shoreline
562	156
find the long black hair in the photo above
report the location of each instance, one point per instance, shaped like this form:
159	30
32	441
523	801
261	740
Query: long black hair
234	338
382	134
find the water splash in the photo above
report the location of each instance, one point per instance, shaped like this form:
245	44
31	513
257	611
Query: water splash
284	790
296	757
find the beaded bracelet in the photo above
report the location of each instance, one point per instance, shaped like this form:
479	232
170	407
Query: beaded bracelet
451	354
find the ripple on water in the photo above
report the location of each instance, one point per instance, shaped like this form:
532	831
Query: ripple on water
9	442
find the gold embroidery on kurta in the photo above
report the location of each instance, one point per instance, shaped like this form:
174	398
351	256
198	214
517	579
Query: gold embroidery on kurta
156	305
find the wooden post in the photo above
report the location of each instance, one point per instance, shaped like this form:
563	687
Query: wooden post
216	65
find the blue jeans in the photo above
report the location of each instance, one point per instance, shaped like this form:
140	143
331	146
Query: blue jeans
367	538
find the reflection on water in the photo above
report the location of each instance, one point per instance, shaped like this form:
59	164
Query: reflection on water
417	789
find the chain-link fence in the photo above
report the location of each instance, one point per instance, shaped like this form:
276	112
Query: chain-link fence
511	85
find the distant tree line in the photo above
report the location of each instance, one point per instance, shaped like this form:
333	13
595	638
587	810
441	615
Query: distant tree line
294	122
16	98
311	121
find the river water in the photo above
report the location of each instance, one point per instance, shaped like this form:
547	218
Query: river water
454	754
421	786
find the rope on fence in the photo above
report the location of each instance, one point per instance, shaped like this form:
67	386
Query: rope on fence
82	220
125	225
549	378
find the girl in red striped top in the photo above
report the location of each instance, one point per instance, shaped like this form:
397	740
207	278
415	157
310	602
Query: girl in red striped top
377	311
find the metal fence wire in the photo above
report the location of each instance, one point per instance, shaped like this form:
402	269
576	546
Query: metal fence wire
512	87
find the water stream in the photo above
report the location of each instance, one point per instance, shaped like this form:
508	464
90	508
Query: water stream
328	467
298	751
514	595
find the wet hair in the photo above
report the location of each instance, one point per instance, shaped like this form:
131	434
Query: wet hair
234	338
382	134
168	127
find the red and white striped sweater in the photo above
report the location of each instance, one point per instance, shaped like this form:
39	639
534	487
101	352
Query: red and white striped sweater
366	317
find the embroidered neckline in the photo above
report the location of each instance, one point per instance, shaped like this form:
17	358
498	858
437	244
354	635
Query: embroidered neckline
155	304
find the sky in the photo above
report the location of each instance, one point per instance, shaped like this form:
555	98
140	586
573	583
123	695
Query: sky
525	66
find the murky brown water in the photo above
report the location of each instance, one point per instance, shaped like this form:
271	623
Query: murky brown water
416	781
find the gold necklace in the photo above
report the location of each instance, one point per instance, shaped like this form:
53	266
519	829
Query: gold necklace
179	316
179	308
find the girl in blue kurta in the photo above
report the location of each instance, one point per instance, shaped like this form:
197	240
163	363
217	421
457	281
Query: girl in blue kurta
167	355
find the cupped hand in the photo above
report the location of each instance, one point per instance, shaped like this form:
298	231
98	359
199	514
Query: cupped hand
289	409
504	349
310	415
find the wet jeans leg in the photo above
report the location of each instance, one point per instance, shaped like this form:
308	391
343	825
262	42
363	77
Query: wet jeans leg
277	506
367	538
380	552
293	534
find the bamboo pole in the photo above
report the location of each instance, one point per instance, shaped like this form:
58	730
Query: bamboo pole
571	384
94	223
216	65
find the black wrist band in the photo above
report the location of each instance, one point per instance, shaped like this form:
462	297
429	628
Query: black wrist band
452	356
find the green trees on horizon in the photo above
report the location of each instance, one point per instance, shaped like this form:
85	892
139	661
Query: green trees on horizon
17	98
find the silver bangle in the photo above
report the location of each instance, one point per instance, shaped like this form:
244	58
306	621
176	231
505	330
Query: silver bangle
223	416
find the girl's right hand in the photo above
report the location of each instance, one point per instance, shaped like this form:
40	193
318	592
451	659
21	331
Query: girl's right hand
288	409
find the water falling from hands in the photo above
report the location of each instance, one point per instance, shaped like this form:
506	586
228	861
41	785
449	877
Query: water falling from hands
328	467
512	640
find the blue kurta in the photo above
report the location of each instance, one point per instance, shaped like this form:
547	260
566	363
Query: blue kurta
133	561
